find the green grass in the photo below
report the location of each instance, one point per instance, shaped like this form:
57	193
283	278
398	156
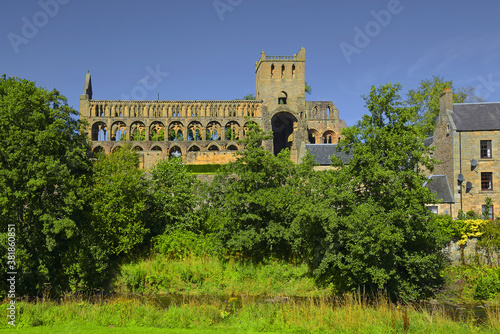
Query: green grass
350	314
211	276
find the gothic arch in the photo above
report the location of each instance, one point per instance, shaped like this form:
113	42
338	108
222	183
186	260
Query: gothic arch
118	131
313	136
214	131
96	150
329	137
156	148
175	152
157	131
283	126
213	147
175	131
194	148
99	131
194	131
137	131
232	131
137	148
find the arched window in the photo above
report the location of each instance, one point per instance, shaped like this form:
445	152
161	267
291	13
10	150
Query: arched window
282	71
293	71
282	98
272	70
328	112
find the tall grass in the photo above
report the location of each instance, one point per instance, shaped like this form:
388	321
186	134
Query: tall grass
211	276
349	314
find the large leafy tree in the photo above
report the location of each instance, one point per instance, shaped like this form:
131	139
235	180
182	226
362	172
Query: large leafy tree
379	234
252	199
42	171
173	197
426	100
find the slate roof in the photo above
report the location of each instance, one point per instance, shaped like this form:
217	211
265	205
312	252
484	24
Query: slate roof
476	116
324	152
439	184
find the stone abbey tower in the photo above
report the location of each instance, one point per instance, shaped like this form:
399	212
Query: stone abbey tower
205	132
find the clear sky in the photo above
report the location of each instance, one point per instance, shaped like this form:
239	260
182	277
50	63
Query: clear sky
206	49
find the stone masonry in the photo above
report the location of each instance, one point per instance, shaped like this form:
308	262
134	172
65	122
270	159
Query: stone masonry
209	132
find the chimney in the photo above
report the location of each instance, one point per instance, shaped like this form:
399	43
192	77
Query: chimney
446	100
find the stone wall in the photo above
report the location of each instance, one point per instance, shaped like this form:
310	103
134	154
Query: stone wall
471	253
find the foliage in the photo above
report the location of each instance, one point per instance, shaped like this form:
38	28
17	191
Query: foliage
116	224
379	236
488	285
192	314
426	99
206	168
490	237
248	97
139	135
173	197
180	244
470	228
252	200
43	169
158	135
307	88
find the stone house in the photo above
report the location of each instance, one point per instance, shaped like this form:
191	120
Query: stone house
467	141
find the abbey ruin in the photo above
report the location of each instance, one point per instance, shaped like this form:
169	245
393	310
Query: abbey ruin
206	132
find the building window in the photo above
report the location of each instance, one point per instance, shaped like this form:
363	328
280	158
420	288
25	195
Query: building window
485	149
487	181
490	214
433	209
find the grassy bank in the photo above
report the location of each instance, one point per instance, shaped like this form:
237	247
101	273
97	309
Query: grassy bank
350	314
211	276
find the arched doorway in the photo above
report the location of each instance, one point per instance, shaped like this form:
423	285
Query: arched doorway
283	125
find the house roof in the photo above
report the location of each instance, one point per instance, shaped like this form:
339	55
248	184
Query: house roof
439	184
324	152
476	116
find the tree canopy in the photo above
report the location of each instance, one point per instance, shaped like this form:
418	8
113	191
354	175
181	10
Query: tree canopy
426	100
42	172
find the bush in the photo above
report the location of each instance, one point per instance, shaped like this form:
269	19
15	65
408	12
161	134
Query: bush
180	244
488	285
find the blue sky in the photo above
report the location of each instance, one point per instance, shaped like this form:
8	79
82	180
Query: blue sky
206	49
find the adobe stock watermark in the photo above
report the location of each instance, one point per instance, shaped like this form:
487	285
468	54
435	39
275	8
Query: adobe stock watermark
30	28
487	86
373	28
148	83
11	274
222	6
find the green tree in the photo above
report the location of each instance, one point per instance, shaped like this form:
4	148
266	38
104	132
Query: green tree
308	89
173	197
249	204
426	99
379	235
43	168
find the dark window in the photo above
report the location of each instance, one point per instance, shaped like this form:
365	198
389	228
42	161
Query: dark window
490	214
487	181
485	149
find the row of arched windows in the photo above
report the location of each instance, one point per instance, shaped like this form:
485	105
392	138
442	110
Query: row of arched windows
326	113
176	110
174	150
175	131
328	137
282	71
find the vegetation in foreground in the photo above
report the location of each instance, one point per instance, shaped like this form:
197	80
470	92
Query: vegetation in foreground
349	314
